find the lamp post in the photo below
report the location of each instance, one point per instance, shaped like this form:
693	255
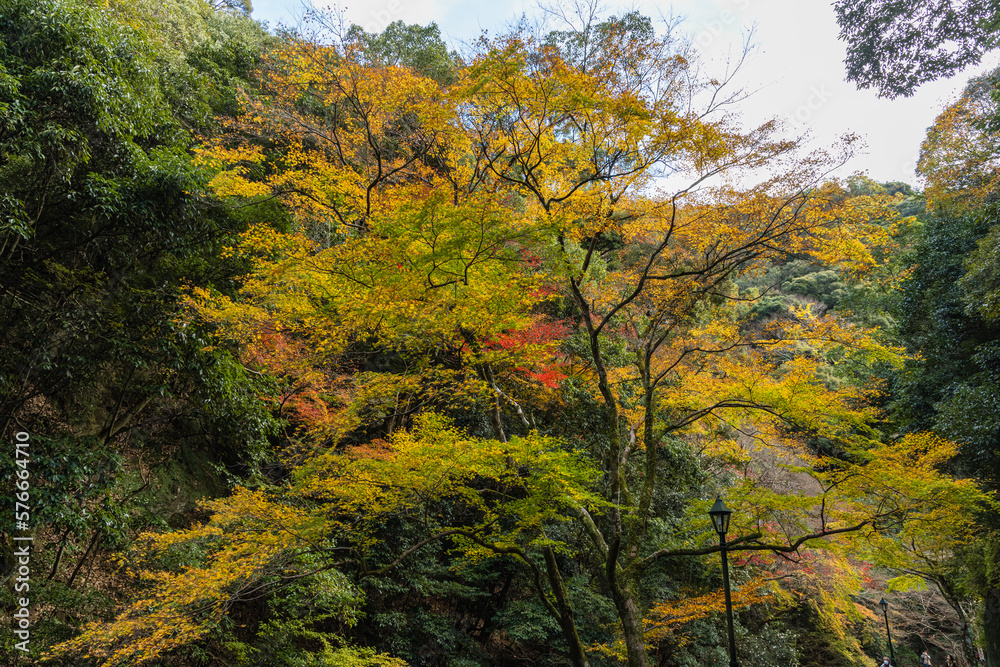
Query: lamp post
720	520
885	611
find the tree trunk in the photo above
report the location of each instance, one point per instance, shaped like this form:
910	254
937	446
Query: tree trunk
93	542
567	621
991	627
631	619
59	555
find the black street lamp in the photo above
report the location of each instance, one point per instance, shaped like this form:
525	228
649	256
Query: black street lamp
885	611
720	520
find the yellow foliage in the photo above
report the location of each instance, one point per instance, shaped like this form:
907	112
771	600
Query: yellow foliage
245	536
432	224
338	498
666	620
958	157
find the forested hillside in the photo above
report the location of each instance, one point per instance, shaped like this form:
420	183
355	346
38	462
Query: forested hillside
329	347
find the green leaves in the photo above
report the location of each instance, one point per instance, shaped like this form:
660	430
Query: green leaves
981	283
72	484
72	57
417	47
896	46
531	480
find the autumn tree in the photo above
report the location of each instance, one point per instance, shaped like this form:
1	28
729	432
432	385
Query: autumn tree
439	232
581	146
958	158
946	316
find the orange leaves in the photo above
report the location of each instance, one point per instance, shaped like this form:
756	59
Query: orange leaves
819	222
430	276
664	624
566	134
341	134
666	620
958	157
534	348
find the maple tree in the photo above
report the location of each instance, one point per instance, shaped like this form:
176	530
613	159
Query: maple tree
435	231
688	362
259	540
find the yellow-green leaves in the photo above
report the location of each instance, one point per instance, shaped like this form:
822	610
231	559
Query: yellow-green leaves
511	488
338	501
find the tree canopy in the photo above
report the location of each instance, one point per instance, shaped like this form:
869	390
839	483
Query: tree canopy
894	46
344	349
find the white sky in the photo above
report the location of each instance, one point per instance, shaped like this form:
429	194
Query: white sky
797	70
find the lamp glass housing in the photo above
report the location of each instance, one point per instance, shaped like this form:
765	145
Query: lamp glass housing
885	605
720	516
